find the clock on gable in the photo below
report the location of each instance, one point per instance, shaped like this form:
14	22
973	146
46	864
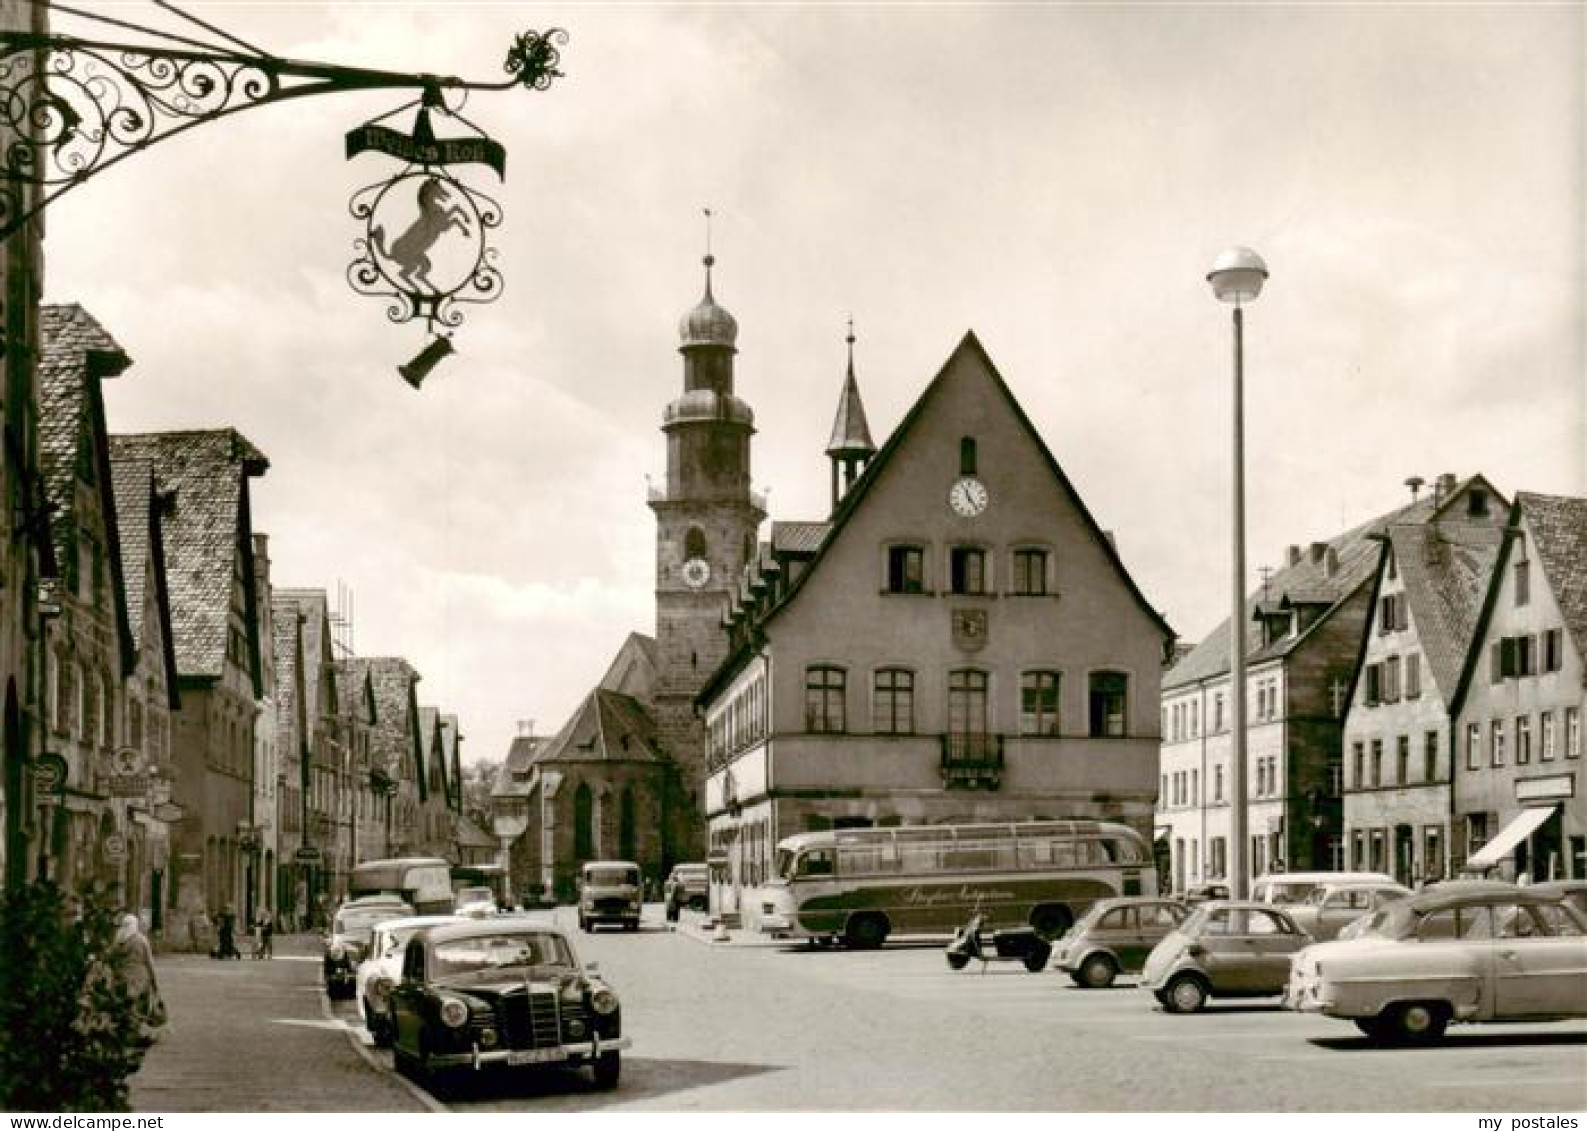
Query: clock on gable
968	496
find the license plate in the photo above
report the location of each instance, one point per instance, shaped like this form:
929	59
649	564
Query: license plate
535	1056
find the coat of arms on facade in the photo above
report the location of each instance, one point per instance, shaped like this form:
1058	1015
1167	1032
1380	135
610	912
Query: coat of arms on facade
969	629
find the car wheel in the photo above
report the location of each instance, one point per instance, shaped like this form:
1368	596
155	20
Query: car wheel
1185	994
958	960
1035	959
865	932
607	1069
1097	972
1417	1021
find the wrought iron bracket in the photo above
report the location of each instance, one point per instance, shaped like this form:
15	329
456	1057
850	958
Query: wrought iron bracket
71	107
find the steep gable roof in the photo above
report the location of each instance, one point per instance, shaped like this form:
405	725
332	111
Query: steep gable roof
633	670
1445	571
76	353
311	607
607	726
395	739
209	525
512	780
1344	564
468	834
451	741
141	541
1559	535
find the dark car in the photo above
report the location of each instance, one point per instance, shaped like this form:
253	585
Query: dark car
507	992
1114	938
1225	949
348	941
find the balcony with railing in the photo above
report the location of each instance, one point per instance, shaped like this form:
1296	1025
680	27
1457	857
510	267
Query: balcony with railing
972	761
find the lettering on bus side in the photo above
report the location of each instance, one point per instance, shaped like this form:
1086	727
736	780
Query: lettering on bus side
964	894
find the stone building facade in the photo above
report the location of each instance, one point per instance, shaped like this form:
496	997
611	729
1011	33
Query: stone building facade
1399	733
959	641
1520	784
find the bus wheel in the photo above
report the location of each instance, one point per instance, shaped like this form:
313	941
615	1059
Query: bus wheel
1051	920
865	932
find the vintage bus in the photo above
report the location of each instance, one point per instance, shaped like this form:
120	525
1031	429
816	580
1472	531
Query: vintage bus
425	882
862	885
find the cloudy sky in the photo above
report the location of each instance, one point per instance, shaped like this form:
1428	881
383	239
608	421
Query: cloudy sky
1056	177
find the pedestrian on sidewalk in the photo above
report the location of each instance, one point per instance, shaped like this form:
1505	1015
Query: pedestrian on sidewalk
264	924
137	973
225	930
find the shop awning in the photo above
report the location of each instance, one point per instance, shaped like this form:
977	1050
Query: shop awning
1511	835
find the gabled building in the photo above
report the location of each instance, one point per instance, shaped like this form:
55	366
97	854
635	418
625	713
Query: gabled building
264	808
394	748
1399	731
375	788
149	691
215	628
88	646
1304	629
600	789
959	641
1520	786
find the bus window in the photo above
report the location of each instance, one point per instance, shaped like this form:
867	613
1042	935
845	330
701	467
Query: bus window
817	862
862	859
1034	851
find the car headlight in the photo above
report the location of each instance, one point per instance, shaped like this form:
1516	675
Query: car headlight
379	988
454	1013
603	1001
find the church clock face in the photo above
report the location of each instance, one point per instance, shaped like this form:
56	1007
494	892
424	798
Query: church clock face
696	572
968	497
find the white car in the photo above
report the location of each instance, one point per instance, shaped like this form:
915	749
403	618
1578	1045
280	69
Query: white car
382	969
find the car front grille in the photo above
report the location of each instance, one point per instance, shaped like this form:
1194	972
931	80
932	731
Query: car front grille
540	1020
611	906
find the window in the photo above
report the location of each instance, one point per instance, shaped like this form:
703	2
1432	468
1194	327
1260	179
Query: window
1430	756
1402	759
1496	742
1573	732
967	569
1108	701
1038	703
967	455
583	822
1545	737
1523	579
1477	504
1474	747
1552	651
1374	690
824	696
694	543
905	569
1413	676
1217	783
1377	761
1217	712
893	702
1030	573
967	702
1523	739
1358	761
1391	613
1391	679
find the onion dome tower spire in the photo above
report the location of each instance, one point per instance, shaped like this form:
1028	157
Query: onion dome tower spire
850	448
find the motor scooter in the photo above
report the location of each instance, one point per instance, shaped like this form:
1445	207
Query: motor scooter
1020	943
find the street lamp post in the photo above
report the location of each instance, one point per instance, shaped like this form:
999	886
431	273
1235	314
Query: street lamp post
1237	277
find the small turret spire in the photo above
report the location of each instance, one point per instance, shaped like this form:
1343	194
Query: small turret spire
850	447
709	260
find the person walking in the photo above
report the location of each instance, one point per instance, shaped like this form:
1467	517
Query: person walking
225	930
264	923
137	974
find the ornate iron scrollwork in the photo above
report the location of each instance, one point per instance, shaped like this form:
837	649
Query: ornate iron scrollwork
71	107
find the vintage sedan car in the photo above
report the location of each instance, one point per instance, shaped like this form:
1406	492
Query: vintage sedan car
382	966
349	937
508	991
1473	953
1332	907
1224	949
1573	892
1114	937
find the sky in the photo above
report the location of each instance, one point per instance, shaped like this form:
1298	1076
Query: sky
1057	178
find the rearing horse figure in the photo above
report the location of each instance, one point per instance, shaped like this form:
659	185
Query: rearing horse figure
411	250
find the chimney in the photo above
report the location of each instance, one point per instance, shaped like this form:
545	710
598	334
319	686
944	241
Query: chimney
1444	487
1330	562
1318	549
1415	484
1292	556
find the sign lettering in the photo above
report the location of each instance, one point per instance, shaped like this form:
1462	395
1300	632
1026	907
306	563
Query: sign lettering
428	151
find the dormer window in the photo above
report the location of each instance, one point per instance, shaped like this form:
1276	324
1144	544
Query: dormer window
1477	503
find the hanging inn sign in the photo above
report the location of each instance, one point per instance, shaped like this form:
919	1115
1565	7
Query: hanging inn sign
426	244
72	106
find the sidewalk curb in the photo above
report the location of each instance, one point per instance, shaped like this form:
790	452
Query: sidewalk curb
429	1102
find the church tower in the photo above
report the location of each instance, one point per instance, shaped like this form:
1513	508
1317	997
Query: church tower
707	519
